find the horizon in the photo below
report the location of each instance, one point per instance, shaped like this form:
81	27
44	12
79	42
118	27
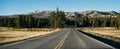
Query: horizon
11	7
52	10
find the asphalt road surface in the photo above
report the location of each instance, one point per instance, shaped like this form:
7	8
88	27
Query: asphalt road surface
67	38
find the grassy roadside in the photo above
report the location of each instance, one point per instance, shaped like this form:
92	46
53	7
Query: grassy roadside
106	32
108	35
15	34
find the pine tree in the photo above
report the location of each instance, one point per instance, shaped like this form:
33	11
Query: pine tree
17	22
118	21
38	23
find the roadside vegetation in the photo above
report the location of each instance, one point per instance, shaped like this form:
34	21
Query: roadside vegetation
105	32
13	34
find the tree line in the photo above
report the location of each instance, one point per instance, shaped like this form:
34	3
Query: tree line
96	22
58	20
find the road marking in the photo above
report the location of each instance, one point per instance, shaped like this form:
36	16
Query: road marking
96	40
59	45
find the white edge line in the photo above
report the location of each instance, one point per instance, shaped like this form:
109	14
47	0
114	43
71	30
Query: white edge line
17	42
20	41
98	41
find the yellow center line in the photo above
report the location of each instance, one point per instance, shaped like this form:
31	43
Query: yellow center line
59	45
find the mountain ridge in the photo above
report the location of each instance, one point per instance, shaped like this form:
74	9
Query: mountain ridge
88	13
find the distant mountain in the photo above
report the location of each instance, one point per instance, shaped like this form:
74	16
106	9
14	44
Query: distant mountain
98	14
43	14
90	14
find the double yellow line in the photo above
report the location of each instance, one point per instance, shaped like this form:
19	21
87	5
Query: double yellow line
59	45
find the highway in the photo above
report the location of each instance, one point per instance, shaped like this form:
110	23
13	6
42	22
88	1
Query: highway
67	38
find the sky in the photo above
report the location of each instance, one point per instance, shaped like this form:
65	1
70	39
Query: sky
9	7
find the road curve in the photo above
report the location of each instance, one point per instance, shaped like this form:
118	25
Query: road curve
67	38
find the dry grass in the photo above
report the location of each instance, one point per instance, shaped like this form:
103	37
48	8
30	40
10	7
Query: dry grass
106	32
12	34
110	31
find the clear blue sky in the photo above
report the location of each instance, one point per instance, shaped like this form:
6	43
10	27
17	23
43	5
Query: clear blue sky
8	7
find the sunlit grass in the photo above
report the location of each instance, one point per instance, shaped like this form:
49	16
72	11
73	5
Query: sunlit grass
13	34
109	31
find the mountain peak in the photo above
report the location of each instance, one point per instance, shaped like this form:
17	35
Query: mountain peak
88	13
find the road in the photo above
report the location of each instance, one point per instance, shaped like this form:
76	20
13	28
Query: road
67	38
